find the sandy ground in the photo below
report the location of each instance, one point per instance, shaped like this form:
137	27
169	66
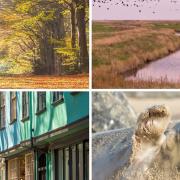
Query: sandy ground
139	104
44	82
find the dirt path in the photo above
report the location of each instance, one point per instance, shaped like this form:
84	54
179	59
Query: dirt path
44	82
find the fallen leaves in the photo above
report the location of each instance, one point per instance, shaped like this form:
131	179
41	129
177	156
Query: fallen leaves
45	82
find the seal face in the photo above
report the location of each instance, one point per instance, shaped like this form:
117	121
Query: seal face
153	122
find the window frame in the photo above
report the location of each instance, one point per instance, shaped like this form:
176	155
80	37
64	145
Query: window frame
25	117
13	168
16	168
58	100
13	101
29	165
43	108
81	157
2	110
41	165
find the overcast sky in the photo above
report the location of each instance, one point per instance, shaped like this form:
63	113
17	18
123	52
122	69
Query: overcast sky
136	10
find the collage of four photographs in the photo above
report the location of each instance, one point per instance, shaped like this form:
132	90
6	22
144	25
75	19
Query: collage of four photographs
44	98
89	90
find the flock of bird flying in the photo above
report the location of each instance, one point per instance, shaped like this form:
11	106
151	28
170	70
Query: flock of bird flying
130	3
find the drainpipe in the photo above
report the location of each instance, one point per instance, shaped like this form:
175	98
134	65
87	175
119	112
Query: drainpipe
32	131
31	119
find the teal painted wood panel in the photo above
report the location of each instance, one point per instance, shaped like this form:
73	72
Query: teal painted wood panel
77	106
11	134
73	108
53	117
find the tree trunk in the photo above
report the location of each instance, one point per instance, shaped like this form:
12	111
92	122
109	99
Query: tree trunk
81	23
58	33
46	52
73	25
52	32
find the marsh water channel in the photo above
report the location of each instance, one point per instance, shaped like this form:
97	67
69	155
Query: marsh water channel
165	69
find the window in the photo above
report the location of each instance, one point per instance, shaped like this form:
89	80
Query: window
29	167
57	96
25	105
13	106
3	110
16	168
72	162
13	169
41	101
59	164
80	161
86	160
42	167
66	163
21	168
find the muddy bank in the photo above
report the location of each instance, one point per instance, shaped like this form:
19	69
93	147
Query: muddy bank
164	69
133	69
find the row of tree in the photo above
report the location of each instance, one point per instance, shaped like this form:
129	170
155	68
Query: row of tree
51	34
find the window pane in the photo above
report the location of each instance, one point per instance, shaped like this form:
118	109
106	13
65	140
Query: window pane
2	110
59	159
21	168
41	99
16	168
57	96
74	163
86	160
80	148
25	104
13	106
29	167
66	161
42	167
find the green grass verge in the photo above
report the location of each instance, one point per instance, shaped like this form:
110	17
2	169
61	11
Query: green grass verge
98	27
175	26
